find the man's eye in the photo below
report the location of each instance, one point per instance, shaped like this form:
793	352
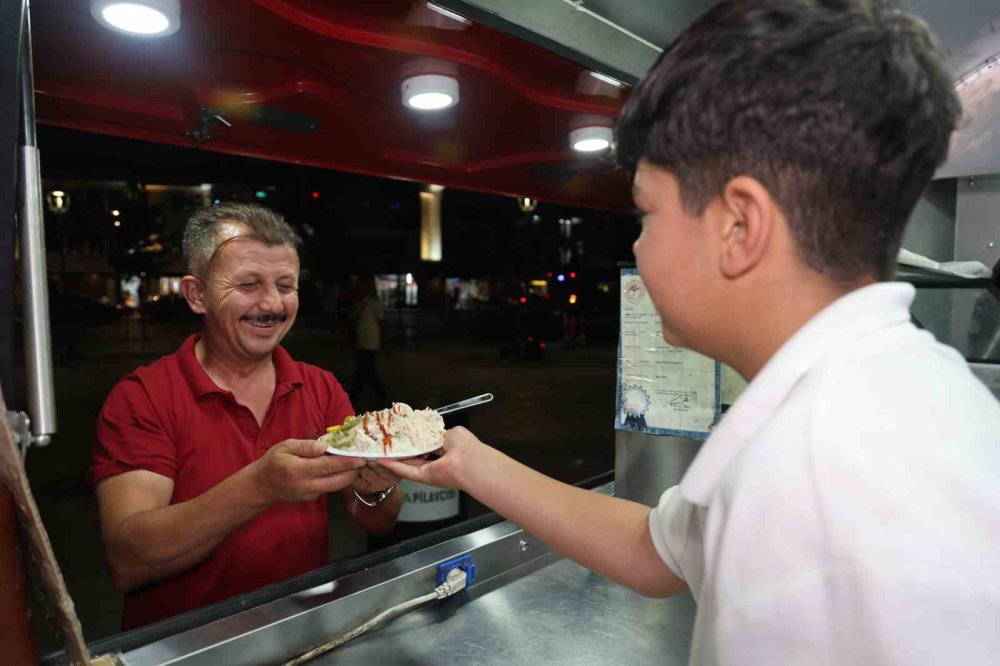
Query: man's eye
286	288
248	285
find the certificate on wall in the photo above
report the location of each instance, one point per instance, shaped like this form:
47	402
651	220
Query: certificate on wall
662	389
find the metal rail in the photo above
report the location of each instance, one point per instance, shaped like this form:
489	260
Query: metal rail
34	274
282	629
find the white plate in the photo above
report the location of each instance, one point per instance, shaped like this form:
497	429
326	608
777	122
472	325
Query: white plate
375	455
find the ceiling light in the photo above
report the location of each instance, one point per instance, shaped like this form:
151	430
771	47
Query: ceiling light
590	139
606	79
447	12
430	92
142	18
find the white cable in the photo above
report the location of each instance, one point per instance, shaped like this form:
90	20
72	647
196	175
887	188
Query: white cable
455	582
578	4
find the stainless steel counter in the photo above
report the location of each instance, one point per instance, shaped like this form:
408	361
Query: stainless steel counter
560	614
526	606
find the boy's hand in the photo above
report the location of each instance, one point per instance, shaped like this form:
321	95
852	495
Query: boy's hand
461	448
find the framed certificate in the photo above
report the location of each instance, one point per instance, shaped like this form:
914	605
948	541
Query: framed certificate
662	389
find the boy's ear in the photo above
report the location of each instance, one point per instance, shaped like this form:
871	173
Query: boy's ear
749	218
194	293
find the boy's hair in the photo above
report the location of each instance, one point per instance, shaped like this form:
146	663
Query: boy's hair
842	109
202	239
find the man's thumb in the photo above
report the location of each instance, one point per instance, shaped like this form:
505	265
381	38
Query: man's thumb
308	448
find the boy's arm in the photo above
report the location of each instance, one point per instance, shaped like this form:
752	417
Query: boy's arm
605	534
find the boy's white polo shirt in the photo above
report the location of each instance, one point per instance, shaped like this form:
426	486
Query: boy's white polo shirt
846	510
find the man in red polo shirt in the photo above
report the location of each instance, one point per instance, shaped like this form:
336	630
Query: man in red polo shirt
208	477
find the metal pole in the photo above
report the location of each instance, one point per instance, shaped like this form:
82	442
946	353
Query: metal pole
34	276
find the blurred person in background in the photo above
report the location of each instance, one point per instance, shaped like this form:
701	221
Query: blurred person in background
370	331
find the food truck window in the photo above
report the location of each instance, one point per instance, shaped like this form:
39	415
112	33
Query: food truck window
515	307
490	241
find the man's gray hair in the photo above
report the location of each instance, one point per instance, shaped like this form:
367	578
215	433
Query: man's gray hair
203	237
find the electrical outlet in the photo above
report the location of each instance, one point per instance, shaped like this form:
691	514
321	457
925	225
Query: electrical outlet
464	562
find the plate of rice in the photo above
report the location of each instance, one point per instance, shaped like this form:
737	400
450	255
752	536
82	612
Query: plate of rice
397	432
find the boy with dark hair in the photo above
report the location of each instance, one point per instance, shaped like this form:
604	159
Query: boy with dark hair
846	509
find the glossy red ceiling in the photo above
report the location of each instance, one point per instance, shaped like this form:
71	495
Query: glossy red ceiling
342	64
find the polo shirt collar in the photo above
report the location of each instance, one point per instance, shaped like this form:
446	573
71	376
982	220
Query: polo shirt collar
288	375
841	323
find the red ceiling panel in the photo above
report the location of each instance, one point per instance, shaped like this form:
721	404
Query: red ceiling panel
337	67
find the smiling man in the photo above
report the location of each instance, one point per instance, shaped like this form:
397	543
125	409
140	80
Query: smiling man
208	477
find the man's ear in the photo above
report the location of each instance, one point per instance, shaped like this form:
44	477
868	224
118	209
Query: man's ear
194	293
750	215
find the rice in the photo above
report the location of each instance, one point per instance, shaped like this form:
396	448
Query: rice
397	430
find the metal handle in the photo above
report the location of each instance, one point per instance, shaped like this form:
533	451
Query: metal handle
34	276
465	404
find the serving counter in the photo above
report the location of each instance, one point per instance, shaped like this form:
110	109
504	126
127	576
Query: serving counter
526	605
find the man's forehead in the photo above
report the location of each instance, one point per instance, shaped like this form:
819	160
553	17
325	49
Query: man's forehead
241	251
251	248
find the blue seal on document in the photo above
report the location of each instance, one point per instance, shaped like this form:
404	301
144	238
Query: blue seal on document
635	404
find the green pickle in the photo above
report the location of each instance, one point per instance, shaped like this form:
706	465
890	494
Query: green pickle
342	436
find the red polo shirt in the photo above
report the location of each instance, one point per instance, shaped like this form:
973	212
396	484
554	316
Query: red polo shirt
172	419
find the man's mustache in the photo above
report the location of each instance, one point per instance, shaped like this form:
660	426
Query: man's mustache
266	318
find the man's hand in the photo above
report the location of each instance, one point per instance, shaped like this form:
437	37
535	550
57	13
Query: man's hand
374	478
147	539
461	448
298	470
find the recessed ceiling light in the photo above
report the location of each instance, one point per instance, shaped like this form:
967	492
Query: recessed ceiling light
591	139
140	18
430	92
